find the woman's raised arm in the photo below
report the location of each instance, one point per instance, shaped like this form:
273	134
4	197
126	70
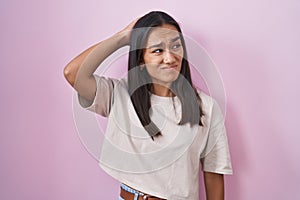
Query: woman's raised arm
79	72
71	69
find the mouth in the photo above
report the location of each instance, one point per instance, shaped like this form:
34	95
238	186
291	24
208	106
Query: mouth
169	67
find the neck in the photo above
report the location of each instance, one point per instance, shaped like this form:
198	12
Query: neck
161	90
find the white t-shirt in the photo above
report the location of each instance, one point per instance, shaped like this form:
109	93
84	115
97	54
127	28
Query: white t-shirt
167	167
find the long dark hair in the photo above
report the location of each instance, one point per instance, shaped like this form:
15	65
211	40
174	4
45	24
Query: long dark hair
139	81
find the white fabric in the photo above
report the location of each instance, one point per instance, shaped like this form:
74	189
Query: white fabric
167	167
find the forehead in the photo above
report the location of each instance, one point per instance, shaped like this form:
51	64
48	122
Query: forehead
163	34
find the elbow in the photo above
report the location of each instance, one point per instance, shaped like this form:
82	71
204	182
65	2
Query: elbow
67	72
69	76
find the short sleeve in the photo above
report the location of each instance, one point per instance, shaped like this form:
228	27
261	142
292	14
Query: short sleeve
216	156
102	101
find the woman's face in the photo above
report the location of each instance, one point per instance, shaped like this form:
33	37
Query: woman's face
163	54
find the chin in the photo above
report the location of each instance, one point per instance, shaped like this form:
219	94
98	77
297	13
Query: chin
170	80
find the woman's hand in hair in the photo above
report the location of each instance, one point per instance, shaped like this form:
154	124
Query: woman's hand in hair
126	32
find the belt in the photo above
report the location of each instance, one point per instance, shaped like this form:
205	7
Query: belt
130	196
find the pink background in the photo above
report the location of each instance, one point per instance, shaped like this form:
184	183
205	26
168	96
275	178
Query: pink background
255	45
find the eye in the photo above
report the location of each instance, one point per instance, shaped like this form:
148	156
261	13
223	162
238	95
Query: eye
176	46
157	51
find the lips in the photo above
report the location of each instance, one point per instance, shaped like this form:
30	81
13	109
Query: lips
169	67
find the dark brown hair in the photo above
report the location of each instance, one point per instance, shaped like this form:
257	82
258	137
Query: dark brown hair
139	81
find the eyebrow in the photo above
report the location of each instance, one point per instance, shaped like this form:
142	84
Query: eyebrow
174	39
159	44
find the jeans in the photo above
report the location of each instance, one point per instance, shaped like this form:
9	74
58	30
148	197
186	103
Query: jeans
136	193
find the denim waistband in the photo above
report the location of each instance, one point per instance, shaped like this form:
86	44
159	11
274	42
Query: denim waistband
133	191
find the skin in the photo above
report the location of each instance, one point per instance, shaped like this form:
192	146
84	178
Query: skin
79	71
79	74
214	186
163	58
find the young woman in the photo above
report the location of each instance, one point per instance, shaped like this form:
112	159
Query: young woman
160	127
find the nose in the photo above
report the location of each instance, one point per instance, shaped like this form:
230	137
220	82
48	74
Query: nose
169	58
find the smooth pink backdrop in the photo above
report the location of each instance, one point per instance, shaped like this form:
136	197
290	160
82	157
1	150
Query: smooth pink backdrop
255	45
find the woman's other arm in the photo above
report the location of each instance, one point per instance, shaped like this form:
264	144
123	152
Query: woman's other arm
214	186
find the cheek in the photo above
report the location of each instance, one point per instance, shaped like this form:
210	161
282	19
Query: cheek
152	69
153	60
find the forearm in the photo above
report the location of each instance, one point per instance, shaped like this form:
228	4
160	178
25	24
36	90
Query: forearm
79	72
99	54
214	186
71	69
91	58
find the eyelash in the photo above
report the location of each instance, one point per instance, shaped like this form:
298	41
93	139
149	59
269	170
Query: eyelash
155	51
